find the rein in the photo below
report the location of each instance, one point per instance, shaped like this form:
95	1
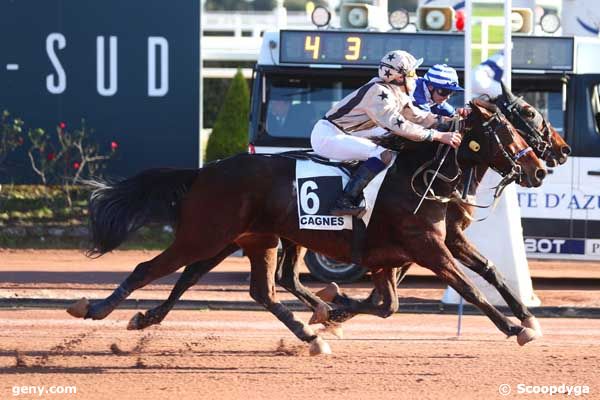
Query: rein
490	127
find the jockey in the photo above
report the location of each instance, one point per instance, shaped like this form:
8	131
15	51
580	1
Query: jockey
382	102
433	90
487	76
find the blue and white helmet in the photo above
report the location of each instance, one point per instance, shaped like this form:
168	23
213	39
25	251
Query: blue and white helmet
441	76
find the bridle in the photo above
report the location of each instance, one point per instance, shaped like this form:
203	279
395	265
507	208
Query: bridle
491	128
513	173
540	139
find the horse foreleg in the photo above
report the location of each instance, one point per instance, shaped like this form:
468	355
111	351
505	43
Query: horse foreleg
439	259
190	276
465	252
262	252
383	301
288	276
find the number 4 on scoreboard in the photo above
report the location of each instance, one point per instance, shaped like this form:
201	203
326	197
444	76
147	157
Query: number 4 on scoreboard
310	45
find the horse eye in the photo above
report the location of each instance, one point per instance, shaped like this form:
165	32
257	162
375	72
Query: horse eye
527	113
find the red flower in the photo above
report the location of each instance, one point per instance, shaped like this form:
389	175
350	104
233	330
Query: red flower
76	165
20	141
50	156
62	125
114	146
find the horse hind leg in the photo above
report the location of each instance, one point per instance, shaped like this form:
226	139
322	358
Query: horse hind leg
384	280
188	278
262	252
174	257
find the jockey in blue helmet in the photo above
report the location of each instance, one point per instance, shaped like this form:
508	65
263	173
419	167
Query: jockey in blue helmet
433	90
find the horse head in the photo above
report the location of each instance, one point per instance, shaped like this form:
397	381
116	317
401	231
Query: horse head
491	139
535	129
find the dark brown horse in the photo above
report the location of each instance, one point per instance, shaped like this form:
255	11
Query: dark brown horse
249	201
549	146
539	134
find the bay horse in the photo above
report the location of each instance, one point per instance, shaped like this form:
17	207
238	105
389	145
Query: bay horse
249	201
536	131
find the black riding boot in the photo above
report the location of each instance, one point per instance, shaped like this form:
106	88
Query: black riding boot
348	203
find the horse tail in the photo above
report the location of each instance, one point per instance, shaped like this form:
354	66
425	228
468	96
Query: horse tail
117	209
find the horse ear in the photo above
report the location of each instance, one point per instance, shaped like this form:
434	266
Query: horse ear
480	110
476	108
506	92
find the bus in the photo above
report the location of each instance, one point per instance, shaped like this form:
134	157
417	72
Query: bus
300	74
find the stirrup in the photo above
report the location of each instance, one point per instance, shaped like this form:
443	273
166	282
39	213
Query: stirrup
345	207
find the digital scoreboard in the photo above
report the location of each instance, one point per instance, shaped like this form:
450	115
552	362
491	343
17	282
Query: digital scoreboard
365	49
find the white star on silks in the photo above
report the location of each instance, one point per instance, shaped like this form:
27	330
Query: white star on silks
383	95
399	122
388	73
391	57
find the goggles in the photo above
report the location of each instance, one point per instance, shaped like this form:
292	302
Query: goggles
444	92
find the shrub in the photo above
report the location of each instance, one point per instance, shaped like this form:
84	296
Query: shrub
11	135
230	132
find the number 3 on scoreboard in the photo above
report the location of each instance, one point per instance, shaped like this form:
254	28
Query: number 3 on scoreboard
353	48
309	45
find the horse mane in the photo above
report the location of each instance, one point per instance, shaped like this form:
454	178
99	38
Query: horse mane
486	104
395	142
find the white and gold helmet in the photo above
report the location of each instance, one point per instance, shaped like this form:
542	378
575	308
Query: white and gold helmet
397	63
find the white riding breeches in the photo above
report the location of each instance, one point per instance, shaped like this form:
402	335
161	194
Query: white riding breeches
329	141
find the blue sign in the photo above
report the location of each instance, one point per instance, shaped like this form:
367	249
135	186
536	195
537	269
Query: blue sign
130	68
554	246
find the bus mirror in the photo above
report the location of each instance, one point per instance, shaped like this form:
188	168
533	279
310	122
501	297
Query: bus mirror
430	18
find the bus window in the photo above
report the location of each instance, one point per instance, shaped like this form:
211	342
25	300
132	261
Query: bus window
294	105
595	100
549	104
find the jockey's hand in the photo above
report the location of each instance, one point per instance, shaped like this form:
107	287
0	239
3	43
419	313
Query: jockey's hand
451	138
463	112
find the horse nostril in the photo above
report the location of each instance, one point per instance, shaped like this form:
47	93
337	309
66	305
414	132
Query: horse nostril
566	150
540	174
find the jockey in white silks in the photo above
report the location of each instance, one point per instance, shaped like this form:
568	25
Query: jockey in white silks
385	102
487	76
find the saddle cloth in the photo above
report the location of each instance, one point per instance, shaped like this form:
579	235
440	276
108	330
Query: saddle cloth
317	188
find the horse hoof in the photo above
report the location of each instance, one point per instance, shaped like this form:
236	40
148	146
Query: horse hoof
320	315
135	323
80	308
335	329
526	336
532	323
329	292
319	347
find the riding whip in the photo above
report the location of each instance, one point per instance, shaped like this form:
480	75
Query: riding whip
448	147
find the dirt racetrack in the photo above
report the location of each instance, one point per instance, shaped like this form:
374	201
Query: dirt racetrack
250	355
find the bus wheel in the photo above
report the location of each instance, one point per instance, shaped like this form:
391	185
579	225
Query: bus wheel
328	270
